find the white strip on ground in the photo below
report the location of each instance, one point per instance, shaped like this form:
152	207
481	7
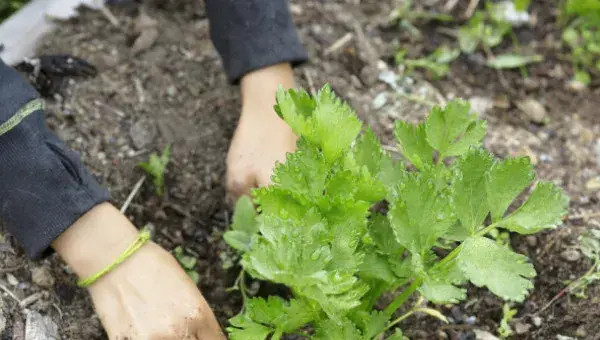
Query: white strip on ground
21	33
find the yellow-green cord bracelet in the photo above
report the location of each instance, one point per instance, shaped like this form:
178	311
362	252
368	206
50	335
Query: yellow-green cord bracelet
24	112
143	237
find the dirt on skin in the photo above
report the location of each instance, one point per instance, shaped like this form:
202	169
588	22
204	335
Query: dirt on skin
169	87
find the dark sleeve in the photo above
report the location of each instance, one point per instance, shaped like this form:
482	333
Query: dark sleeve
44	187
252	34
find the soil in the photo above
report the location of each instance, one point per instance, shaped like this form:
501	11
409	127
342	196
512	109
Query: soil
170	89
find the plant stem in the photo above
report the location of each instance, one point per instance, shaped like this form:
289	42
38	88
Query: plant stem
400	299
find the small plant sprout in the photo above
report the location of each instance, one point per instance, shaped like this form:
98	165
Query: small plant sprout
188	263
314	229
156	167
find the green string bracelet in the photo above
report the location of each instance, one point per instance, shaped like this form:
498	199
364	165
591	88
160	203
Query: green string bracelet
24	112
143	237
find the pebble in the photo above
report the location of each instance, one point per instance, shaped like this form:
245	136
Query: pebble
593	184
535	111
42	277
2	323
481	105
380	100
142	134
442	335
483	335
580	332
537	321
571	255
522	328
12	280
39	327
531	240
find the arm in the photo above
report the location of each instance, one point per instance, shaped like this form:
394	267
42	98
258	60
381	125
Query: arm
259	46
48	198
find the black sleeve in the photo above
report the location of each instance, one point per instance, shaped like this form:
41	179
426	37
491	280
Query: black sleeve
252	34
44	187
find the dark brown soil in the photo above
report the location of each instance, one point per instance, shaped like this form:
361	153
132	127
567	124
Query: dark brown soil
175	91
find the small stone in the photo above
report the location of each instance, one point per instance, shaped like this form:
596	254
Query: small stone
580	332
537	321
2	323
39	327
534	110
101	156
571	255
481	105
593	184
171	91
142	134
522	328
531	83
441	335
483	335
42	277
531	240
12	280
379	101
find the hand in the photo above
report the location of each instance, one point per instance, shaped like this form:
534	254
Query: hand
146	297
261	138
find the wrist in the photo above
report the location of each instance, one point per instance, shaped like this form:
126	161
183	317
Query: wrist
96	240
258	88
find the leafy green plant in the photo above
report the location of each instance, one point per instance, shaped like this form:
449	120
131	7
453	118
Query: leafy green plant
7	8
155	167
314	229
188	263
437	64
508	313
582	36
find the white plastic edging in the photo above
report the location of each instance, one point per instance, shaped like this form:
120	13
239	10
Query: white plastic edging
21	33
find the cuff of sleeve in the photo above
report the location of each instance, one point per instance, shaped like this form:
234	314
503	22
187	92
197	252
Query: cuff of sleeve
254	34
53	190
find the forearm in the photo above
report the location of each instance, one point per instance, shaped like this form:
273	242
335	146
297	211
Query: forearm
253	34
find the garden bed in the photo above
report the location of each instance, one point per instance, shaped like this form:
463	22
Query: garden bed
173	90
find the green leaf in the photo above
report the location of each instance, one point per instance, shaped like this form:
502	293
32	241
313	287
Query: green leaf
421	214
337	330
281	315
470	35
412	141
589	242
376	266
245	329
544	209
504	272
453	129
508	61
155	168
371	323
335	124
303	173
469	190
368	152
505	181
382	234
521	5
296	108
244	225
442	292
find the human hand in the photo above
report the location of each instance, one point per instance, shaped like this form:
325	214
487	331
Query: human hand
261	138
148	296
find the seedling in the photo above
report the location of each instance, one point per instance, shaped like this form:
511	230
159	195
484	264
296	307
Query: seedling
437	64
508	313
155	167
315	232
188	263
582	36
